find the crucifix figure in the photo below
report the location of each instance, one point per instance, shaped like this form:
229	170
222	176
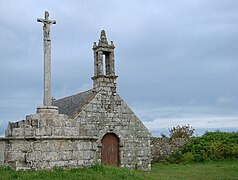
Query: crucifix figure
47	58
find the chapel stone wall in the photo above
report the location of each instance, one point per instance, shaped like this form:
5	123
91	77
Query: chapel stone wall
108	113
46	140
46	153
2	150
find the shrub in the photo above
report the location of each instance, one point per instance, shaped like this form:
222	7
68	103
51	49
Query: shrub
211	146
163	135
184	131
188	157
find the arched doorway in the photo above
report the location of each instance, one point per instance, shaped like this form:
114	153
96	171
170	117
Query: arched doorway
110	149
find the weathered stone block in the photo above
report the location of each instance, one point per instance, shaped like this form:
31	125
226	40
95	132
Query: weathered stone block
15	156
50	156
34	156
21	146
86	155
58	131
38	146
77	154
29	132
84	146
35	123
65	155
67	145
80	162
72	163
58	164
2	150
71	131
16	132
44	131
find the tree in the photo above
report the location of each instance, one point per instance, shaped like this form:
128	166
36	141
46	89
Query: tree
184	131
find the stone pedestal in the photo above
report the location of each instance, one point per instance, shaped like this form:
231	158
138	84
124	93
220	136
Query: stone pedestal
47	109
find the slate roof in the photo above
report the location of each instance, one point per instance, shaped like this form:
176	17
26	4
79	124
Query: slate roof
72	104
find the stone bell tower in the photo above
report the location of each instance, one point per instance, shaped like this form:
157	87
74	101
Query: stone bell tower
104	65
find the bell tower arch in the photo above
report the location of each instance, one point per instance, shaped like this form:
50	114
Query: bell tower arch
104	65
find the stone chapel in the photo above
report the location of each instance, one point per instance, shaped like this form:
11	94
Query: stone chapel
95	126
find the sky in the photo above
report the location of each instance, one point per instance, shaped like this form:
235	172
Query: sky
177	61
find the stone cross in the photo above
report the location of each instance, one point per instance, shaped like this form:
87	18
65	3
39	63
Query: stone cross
47	58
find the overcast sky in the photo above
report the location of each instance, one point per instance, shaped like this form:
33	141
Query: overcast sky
177	61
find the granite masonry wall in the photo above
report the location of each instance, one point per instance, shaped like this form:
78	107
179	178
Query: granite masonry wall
2	150
162	148
48	152
46	140
108	113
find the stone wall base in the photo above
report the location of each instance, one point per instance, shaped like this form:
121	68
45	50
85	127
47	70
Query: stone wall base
162	148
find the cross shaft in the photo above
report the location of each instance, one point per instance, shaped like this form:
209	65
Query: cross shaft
47	58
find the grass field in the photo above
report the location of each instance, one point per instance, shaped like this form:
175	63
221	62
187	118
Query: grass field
208	170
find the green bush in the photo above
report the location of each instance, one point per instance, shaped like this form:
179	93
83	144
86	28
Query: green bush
211	146
188	157
184	131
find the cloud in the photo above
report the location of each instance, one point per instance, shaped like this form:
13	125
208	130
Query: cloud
196	122
176	61
157	118
226	100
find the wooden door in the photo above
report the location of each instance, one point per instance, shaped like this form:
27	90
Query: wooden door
110	149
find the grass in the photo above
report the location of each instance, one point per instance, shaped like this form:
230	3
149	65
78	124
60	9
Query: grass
227	169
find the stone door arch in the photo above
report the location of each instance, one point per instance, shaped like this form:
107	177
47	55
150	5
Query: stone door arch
110	149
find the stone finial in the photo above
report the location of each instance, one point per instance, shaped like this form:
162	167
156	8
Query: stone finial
112	44
103	33
53	99
103	38
94	44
